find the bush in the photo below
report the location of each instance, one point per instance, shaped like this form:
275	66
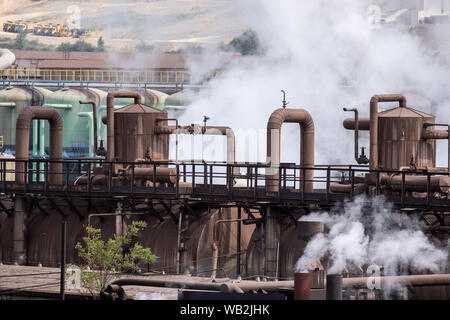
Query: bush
247	44
143	47
80	45
103	260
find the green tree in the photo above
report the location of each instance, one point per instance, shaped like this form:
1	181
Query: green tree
144	47
20	40
247	44
80	45
104	260
100	44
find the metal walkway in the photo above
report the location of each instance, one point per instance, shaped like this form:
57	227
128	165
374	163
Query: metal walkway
216	183
159	77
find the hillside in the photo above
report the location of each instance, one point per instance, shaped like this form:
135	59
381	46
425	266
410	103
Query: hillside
169	24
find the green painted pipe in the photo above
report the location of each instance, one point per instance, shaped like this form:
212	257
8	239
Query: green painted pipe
35	144
58	105
41	148
89	115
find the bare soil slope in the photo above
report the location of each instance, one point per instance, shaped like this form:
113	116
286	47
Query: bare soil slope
170	24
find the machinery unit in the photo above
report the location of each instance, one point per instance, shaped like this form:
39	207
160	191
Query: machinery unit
194	209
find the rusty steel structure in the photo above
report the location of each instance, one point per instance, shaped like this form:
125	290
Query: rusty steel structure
217	218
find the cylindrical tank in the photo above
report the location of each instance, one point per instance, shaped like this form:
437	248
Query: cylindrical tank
161	236
177	103
12	101
76	139
134	133
196	242
290	250
400	139
154	98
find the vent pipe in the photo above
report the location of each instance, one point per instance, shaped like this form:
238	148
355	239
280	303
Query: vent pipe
276	120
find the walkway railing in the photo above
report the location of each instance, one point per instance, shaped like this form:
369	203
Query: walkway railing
107	76
215	181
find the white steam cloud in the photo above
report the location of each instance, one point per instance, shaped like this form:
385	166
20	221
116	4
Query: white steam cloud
368	231
325	55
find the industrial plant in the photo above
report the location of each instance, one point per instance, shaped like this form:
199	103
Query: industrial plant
88	140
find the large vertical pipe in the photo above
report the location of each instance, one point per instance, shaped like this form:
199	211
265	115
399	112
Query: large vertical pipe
62	284
119	220
302	286
271	240
19	246
22	146
180	221
334	287
373	161
238	244
110	117
306	123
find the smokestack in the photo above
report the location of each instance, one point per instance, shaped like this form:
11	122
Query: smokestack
334	287
302	286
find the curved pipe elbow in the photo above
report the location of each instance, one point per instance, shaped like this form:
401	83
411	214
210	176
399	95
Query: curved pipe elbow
306	123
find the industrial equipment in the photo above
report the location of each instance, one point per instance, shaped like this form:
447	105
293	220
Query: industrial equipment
212	218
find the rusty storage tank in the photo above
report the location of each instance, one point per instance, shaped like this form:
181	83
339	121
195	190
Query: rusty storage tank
134	134
12	101
400	139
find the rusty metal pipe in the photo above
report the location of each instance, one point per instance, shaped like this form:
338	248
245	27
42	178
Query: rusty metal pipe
169	284
306	123
164	175
23	124
356	132
302	286
363	124
110	117
94	115
408	280
208	130
448	138
373	161
417	183
434	134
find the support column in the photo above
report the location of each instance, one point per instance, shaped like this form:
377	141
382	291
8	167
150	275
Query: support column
19	245
119	219
271	241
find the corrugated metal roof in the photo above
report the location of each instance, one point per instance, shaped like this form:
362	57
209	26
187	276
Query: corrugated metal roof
138	108
401	112
114	60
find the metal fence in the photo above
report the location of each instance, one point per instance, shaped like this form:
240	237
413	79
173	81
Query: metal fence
107	76
212	181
